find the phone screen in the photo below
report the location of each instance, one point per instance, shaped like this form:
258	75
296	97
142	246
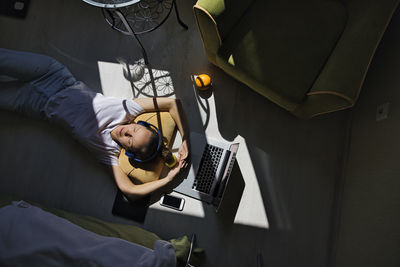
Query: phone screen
172	201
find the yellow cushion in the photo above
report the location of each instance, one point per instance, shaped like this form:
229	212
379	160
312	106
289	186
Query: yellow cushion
149	171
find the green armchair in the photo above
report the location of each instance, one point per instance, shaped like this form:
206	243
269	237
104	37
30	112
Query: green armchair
309	57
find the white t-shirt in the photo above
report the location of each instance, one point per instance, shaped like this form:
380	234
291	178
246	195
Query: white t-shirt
91	117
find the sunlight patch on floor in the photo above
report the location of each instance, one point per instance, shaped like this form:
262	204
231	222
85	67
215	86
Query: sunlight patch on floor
119	81
251	210
113	82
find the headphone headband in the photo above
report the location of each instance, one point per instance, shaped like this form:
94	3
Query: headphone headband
147	125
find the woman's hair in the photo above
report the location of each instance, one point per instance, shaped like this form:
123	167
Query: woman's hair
150	148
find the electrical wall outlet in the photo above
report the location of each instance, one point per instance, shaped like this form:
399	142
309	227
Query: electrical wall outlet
382	112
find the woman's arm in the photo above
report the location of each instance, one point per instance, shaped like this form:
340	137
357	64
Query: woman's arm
134	191
174	107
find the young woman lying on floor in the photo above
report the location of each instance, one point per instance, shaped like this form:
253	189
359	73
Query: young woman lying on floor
45	89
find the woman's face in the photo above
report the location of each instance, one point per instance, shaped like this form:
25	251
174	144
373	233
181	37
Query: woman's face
133	137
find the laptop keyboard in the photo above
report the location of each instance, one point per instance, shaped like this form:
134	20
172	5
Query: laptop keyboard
208	168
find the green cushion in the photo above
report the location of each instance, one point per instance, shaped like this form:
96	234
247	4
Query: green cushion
285	44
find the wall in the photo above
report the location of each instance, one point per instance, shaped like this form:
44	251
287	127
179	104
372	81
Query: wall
369	220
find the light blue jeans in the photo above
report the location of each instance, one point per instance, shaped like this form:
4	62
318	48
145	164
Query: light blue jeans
36	79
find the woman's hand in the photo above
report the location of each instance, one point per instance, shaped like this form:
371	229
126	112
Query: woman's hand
183	153
175	170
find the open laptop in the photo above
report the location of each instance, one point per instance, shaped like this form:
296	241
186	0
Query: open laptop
212	163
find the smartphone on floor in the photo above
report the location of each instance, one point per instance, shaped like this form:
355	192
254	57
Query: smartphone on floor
172	202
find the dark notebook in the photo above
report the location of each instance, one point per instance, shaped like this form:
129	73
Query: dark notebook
134	210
